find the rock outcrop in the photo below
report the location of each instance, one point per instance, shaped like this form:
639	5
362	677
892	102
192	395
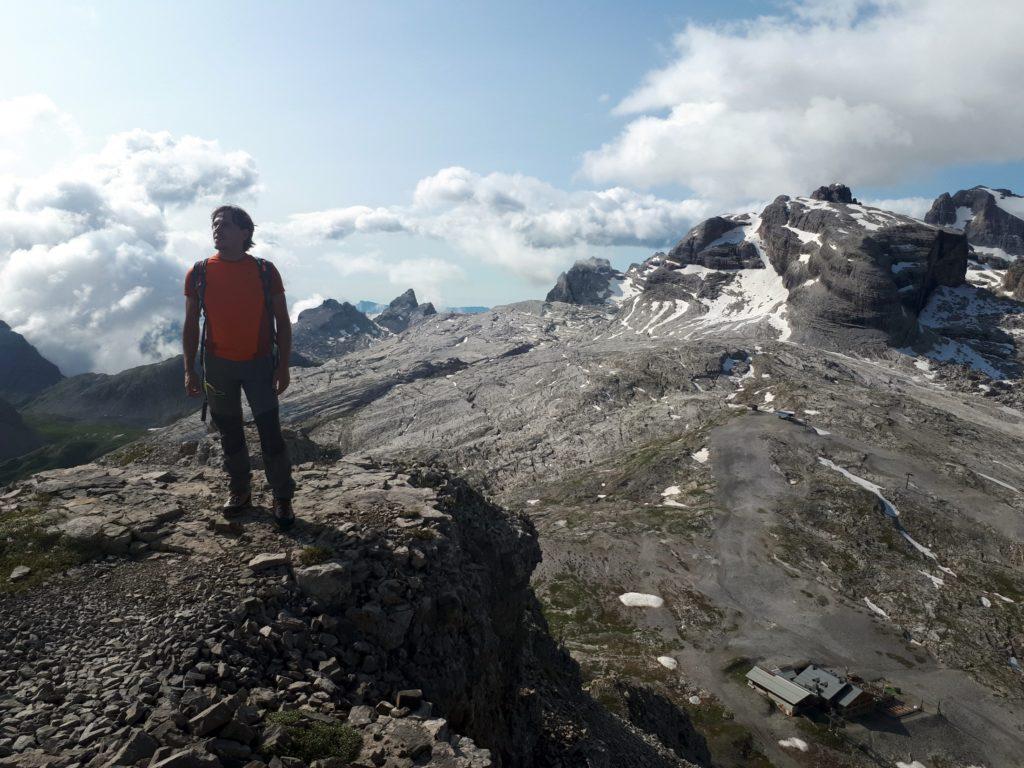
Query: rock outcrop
332	330
23	371
835	193
404	311
857	273
589	281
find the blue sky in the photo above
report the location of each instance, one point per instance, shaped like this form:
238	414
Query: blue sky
347	118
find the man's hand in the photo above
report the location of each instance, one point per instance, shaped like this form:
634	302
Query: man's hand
192	386
281	379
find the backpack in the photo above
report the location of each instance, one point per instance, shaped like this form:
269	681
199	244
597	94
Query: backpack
199	283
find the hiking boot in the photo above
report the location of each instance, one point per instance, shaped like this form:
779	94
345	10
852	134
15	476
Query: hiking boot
283	514
238	501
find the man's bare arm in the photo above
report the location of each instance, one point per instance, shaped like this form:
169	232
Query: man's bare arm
190	343
282	378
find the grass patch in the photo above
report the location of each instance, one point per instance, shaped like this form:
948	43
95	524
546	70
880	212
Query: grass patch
316	738
424	534
731	743
26	540
819	733
736	670
575	611
315	555
132	454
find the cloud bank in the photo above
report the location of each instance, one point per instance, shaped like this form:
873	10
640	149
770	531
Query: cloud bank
89	271
519	223
868	92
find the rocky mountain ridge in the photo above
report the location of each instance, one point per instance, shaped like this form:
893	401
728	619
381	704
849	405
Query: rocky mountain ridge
832	273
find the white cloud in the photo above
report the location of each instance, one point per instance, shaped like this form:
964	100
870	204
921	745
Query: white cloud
867	92
916	207
302	305
428	276
89	272
519	223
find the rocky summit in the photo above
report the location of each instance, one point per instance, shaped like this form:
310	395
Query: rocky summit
574	527
404	311
332	329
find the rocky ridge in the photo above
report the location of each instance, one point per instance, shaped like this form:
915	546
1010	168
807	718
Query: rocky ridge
145	396
333	329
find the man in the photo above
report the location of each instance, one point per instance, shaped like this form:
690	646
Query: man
238	356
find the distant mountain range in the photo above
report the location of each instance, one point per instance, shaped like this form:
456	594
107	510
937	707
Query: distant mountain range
372	308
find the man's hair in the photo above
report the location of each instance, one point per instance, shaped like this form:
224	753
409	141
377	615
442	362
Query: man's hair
241	219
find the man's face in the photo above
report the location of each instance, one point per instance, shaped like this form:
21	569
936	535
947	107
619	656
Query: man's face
227	236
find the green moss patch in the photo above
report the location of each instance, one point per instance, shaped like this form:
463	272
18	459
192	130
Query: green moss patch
316	737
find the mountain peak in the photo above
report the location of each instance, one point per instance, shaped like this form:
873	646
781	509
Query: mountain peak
403	311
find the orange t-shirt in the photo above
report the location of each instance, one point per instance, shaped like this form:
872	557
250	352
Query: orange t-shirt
237	323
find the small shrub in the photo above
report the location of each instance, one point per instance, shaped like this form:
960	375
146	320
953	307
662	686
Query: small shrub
315	555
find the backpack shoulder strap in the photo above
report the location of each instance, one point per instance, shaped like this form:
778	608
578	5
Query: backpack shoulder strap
199	282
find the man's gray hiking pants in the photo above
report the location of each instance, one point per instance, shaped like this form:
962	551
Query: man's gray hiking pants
224	381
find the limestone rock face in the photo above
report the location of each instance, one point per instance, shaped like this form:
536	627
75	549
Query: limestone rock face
23	371
823	270
717	243
589	281
332	330
857	273
990	218
404	311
